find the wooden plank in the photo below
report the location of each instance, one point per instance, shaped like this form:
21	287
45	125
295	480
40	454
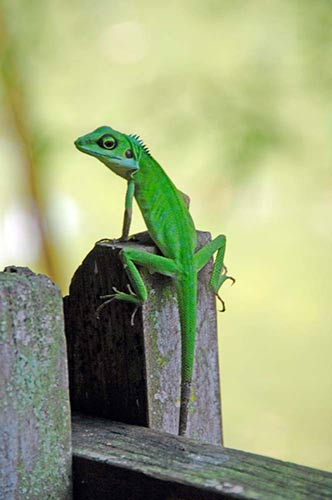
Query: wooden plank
131	373
114	460
35	439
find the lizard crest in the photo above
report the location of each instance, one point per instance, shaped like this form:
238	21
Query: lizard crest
139	142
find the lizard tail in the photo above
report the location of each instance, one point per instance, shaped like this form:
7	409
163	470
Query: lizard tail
187	301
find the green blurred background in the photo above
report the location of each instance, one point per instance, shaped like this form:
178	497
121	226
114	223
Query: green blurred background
234	99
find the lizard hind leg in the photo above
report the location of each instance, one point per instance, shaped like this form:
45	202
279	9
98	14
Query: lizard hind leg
219	271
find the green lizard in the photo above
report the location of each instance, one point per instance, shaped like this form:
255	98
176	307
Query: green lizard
171	228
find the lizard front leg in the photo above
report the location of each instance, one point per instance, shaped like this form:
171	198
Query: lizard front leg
128	210
137	290
127	215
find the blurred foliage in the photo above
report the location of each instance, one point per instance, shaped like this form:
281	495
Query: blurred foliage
234	99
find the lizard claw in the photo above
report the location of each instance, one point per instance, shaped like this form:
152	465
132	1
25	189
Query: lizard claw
222	303
233	280
132	317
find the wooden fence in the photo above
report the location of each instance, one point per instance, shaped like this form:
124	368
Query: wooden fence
119	439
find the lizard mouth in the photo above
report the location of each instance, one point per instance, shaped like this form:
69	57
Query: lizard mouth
83	147
80	146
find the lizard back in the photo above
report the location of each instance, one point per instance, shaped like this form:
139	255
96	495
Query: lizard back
165	212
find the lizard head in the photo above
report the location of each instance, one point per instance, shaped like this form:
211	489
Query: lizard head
119	152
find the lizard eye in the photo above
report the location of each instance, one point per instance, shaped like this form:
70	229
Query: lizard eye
129	153
108	142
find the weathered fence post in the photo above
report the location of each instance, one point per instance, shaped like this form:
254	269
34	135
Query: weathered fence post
35	441
131	373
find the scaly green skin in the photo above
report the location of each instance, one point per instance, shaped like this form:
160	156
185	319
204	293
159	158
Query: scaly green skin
171	228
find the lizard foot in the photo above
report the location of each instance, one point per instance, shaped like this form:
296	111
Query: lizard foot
99	308
106	240
224	277
118	295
